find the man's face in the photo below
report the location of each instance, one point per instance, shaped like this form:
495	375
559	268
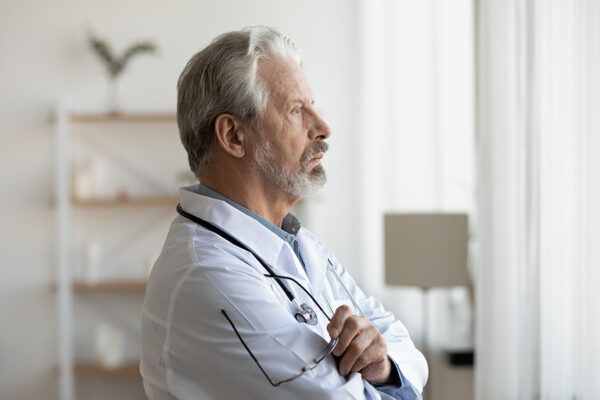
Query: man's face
289	143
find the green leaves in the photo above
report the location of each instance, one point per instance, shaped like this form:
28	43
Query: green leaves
115	65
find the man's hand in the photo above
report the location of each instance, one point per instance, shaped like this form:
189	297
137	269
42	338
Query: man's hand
361	346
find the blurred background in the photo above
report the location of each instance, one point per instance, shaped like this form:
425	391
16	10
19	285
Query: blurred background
467	130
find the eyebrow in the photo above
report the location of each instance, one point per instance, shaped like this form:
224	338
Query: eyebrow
302	101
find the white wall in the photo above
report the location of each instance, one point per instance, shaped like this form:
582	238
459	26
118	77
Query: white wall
44	56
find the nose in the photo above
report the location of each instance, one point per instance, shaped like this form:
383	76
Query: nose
319	130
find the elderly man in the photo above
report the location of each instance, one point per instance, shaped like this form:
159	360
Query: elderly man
243	301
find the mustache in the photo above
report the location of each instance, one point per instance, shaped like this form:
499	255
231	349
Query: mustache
314	149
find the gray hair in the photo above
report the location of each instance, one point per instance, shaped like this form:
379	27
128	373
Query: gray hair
222	78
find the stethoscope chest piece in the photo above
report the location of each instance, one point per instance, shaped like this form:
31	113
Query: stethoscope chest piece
306	315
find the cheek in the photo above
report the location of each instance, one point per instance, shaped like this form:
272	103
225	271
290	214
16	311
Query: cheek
292	143
299	149
288	139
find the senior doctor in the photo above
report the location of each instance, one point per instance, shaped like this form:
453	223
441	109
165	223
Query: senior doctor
244	302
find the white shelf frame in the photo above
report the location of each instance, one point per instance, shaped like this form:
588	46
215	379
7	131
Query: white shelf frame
63	226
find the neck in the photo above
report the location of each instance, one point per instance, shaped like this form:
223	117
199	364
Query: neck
252	192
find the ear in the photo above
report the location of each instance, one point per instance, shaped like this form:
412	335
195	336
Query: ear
231	135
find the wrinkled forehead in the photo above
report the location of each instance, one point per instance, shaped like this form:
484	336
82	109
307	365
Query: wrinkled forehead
284	80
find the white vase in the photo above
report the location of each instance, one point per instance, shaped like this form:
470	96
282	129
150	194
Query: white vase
109	345
112	96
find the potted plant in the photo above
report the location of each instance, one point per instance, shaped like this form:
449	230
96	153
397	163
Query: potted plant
115	64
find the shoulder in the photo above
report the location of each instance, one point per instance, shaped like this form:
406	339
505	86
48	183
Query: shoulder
195	260
188	244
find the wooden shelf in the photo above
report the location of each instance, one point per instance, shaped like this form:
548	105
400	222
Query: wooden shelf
126	201
109	286
123	117
130	370
127	286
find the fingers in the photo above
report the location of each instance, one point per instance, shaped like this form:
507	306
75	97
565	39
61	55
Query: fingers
360	343
376	351
338	320
360	352
366	358
353	327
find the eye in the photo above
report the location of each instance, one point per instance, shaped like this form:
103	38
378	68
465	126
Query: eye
297	110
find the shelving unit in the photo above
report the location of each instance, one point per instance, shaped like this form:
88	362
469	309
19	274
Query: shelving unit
128	204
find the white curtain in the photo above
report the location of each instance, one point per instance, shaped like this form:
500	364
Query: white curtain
538	127
416	152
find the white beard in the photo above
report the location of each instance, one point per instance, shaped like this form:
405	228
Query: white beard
299	183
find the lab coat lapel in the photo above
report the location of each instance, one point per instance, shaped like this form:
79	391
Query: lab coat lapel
315	256
288	264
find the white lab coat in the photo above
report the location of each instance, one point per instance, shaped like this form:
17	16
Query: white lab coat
189	350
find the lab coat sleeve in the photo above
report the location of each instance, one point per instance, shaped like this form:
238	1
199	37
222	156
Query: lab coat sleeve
401	349
205	359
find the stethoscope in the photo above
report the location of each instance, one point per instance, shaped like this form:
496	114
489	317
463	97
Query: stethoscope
304	313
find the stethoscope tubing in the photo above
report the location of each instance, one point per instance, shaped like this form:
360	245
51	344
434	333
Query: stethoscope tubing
271	274
311	319
339	278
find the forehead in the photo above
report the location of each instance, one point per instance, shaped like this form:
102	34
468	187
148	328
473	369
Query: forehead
285	80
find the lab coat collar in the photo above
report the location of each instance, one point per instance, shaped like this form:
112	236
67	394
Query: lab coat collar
290	224
266	244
